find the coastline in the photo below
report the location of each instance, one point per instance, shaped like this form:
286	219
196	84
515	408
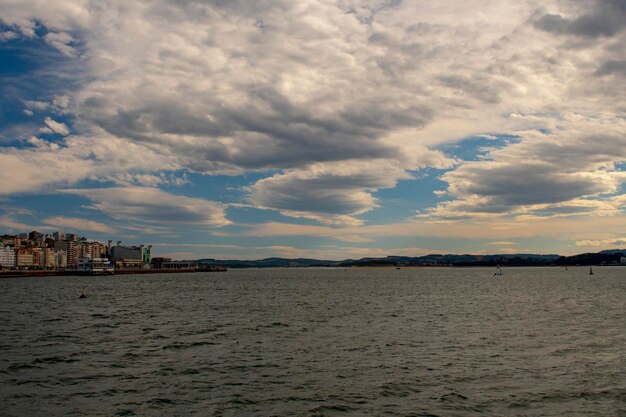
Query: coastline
56	273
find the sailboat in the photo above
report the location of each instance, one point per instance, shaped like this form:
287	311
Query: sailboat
498	271
83	293
590	271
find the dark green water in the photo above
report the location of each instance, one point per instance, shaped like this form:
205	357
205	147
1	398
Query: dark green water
444	342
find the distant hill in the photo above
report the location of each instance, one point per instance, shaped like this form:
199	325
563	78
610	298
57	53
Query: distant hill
427	260
612	251
267	263
607	257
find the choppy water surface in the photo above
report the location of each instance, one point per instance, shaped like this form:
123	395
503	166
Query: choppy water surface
445	342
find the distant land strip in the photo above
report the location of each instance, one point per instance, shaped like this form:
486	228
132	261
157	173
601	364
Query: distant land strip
606	257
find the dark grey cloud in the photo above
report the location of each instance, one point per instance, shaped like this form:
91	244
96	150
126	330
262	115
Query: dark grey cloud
525	184
266	113
617	67
552	174
603	18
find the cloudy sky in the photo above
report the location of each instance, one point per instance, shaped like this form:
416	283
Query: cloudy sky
318	128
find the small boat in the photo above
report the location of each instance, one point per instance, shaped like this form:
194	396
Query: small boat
397	267
83	294
590	271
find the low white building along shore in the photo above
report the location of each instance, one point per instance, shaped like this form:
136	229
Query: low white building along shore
7	257
95	266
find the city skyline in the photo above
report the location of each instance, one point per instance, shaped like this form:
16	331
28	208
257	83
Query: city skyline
321	129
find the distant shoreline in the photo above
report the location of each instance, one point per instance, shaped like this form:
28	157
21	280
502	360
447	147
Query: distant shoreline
59	273
26	274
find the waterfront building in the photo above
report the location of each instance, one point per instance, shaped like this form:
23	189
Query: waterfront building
130	257
24	258
38	257
48	258
7	257
70	247
95	266
178	265
91	249
72	254
157	262
60	259
125	252
128	263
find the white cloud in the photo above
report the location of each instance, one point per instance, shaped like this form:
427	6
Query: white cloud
74	223
61	41
8	35
618	241
36	105
36	169
99	157
55	127
151	205
7	222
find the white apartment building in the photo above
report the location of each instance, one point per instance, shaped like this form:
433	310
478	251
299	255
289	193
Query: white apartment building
7	257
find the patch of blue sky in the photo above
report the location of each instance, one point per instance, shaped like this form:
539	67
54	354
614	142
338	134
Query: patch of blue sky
407	197
622	186
223	188
475	148
44	204
31	70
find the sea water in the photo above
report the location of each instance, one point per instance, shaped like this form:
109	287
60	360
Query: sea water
317	342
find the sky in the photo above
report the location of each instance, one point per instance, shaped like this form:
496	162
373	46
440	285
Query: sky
327	129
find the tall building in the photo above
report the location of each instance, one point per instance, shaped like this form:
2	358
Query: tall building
91	250
70	247
35	236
